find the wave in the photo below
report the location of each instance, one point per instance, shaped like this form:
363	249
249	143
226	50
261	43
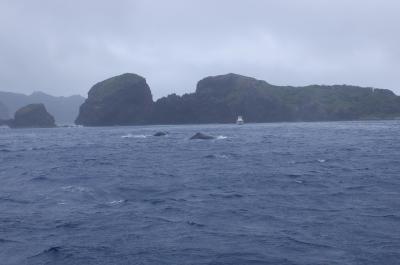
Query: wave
195	224
357	188
307	161
49	251
40	178
155	201
227	196
12	200
215	156
2	240
70	126
309	244
116	202
294	175
5	151
68	225
387	216
36	149
129	135
74	189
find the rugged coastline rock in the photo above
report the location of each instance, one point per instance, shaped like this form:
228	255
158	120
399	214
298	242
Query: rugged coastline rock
121	100
201	136
221	99
32	116
158	134
126	100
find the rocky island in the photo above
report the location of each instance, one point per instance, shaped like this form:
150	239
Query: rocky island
120	100
64	109
32	116
127	100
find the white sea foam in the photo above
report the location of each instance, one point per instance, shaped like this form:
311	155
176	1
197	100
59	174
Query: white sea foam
116	202
321	160
221	137
129	135
74	188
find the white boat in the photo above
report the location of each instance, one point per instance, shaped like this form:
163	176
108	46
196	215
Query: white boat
240	120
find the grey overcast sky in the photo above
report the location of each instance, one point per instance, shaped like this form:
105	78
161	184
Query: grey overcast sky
63	47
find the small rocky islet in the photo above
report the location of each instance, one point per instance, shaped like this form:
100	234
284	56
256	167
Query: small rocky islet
63	109
120	100
31	116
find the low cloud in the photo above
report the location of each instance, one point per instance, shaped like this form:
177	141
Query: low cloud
64	47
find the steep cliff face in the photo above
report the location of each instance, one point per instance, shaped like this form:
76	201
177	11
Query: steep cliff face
220	99
126	100
32	116
121	100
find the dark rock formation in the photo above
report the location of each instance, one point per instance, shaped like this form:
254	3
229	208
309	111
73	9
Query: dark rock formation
160	134
201	136
32	116
120	100
221	99
64	109
126	100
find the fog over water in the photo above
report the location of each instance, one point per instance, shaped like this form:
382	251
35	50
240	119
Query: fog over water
64	47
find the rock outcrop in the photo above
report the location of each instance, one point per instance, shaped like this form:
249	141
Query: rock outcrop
64	109
126	100
158	134
201	136
221	99
32	116
121	100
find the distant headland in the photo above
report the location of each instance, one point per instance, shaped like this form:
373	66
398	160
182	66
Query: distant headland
64	109
127	100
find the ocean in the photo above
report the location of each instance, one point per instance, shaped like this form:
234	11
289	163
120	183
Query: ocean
279	193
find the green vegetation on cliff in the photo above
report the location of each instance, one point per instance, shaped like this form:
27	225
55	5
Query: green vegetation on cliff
220	99
121	100
126	100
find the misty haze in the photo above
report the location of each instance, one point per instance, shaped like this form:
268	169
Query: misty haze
199	132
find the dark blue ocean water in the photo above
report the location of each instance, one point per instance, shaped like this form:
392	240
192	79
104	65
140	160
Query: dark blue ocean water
284	193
